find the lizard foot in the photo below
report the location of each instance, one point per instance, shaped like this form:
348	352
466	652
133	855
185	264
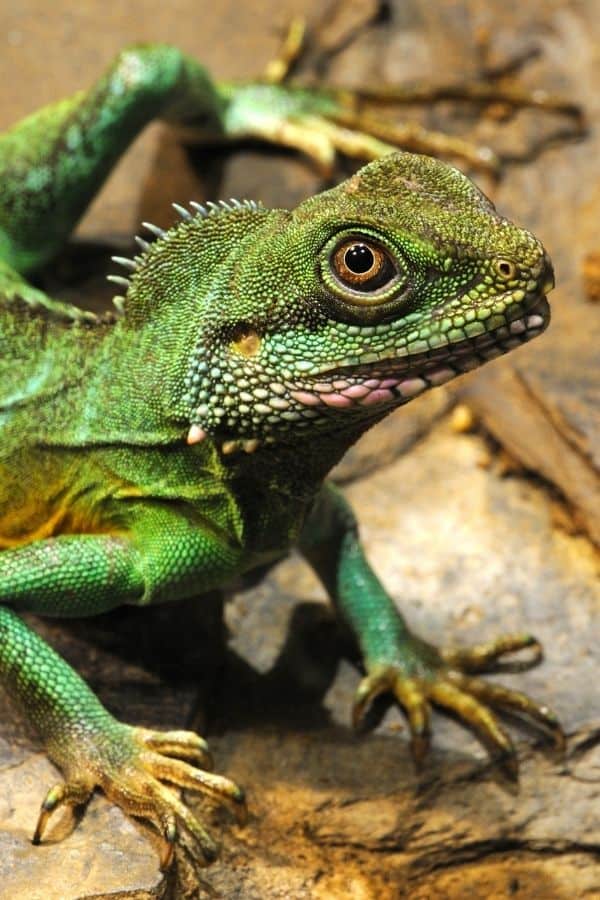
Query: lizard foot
130	765
322	123
424	675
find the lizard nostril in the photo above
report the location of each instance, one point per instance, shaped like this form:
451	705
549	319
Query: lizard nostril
505	269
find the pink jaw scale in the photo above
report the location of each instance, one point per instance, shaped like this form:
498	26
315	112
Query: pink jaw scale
305	398
337	400
356	391
376	396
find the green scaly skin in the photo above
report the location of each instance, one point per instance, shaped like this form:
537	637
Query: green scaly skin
170	449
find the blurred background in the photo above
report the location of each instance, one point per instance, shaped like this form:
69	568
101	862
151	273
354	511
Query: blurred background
479	503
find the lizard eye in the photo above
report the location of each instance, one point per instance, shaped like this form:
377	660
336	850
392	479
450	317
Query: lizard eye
367	279
362	265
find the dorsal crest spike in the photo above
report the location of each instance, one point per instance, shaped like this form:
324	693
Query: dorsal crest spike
212	208
199	208
154	229
119	304
142	244
182	211
125	262
118	279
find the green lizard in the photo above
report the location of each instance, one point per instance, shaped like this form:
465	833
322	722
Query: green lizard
181	443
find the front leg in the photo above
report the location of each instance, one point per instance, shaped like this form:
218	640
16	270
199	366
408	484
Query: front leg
161	553
397	661
54	161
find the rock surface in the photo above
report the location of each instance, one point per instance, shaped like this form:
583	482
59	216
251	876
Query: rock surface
466	552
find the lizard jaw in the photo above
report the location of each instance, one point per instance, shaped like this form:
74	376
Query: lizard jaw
385	384
393	381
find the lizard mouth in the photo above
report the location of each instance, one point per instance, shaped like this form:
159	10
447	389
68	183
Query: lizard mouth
374	387
396	380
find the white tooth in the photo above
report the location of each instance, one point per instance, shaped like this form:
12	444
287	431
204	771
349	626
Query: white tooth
534	321
230	446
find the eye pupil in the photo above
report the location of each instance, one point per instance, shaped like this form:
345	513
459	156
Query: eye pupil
363	267
359	259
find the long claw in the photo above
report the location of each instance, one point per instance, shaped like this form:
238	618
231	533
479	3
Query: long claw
411	698
369	688
473	92
419	748
167	850
73	793
42	821
202	839
369	137
509	763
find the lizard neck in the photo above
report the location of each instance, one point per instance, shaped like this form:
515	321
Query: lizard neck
296	469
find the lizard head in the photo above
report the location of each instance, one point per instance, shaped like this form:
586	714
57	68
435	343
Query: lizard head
365	296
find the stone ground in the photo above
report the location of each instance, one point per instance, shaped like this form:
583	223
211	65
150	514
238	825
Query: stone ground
475	532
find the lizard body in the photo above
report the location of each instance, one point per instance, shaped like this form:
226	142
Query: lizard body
183	442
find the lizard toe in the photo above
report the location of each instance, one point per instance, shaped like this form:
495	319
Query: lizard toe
68	793
186	745
511	701
181	774
443	692
485	657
